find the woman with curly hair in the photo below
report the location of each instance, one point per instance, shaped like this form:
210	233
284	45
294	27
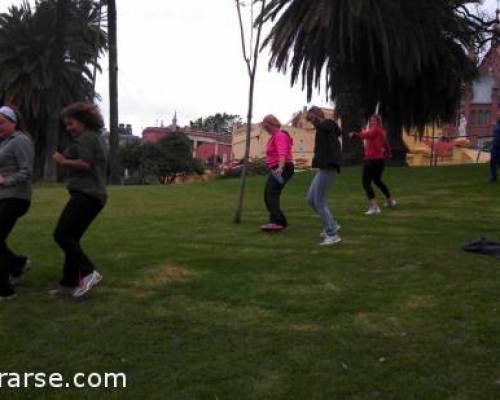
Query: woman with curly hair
16	169
86	162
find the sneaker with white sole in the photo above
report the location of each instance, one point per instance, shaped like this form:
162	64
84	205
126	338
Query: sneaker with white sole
323	234
330	240
87	283
14	280
8	297
61	291
391	204
373	211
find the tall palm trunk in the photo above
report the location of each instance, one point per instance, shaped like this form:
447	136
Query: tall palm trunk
53	123
114	177
394	135
349	106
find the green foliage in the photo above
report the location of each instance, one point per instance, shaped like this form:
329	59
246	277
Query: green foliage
216	123
27	38
164	160
256	166
408	55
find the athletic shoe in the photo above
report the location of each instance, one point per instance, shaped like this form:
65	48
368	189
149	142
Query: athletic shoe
391	204
8	297
373	211
272	227
330	240
26	267
87	283
61	290
323	234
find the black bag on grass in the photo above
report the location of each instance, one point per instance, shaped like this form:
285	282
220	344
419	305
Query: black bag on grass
483	246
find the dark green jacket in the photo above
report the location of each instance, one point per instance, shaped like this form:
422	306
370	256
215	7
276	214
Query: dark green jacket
89	147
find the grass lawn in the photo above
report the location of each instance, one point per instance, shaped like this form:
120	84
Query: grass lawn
193	307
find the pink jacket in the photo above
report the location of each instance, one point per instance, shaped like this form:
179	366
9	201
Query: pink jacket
279	145
375	141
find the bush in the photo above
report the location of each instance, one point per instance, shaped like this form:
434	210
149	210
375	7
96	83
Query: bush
257	166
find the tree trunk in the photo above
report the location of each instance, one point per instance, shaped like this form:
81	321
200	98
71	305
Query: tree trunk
350	110
239	207
395	138
114	177
54	120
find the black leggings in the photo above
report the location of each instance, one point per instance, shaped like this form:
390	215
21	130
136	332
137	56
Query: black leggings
372	172
76	217
10	264
272	195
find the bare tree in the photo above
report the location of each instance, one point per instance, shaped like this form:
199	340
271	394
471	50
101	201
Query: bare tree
250	55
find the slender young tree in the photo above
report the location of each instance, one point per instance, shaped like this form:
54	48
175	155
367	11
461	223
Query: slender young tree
250	55
114	177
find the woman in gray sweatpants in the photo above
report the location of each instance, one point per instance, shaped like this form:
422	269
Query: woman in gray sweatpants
328	159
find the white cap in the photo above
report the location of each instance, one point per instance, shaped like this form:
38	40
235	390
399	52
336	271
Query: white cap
8	113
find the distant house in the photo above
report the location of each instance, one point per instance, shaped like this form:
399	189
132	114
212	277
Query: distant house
481	104
206	145
125	134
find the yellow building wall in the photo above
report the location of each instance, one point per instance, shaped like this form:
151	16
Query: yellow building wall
303	143
301	131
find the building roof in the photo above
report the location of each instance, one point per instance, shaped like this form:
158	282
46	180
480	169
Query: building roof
218	136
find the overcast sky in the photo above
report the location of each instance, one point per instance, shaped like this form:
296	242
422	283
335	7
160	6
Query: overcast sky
185	56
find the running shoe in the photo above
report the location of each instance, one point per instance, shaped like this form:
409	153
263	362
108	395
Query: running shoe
87	283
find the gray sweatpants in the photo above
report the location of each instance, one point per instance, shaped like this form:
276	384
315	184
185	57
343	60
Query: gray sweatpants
316	197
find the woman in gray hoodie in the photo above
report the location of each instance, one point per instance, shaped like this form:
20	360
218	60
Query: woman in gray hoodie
16	169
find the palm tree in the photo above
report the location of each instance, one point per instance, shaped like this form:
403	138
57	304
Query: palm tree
113	93
373	52
27	58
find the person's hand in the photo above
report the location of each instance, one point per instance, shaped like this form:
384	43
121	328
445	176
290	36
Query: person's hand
278	171
351	134
2	180
58	158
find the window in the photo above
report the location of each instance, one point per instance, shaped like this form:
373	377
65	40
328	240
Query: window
480	117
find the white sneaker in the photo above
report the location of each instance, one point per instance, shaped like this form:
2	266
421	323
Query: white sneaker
330	240
391	204
7	298
323	234
87	283
373	211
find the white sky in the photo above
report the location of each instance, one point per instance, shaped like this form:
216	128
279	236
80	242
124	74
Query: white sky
185	56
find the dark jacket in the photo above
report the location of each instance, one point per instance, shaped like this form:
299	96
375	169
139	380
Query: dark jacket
496	136
327	149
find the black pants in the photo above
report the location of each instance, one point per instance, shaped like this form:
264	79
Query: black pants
76	217
10	264
272	195
494	162
372	172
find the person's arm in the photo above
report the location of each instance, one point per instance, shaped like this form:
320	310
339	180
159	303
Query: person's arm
365	134
282	149
70	163
25	155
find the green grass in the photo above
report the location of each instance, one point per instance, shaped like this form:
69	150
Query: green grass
193	307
